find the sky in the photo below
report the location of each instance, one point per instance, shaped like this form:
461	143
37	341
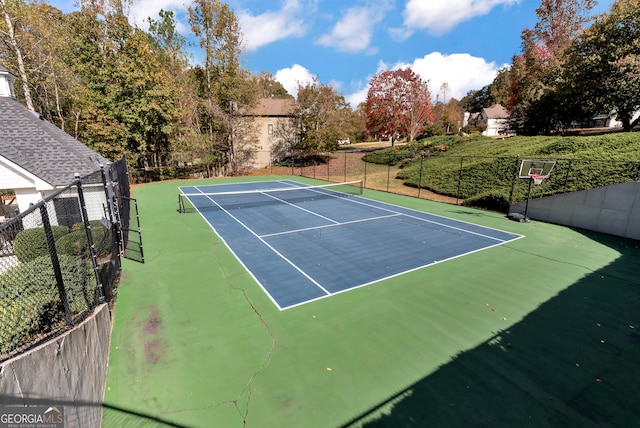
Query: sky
343	43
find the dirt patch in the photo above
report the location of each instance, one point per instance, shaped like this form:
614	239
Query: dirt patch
154	347
152	323
153	351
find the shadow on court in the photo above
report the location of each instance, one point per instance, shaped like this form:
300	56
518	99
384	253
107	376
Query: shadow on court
574	361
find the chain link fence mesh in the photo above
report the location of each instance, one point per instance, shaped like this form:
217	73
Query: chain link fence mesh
60	258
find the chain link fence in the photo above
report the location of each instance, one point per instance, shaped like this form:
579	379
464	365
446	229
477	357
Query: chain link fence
458	179
61	257
484	181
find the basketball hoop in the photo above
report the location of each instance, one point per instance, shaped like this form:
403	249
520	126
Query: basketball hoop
537	178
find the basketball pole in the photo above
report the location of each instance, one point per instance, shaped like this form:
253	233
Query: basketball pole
526	207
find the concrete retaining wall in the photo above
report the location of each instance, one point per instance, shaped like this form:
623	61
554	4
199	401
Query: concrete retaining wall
68	371
614	210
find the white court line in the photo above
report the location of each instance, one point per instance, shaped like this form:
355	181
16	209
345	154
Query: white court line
303	209
353	200
331	225
271	247
361	201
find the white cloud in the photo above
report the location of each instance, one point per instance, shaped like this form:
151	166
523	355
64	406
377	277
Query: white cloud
437	17
461	72
271	26
141	10
354	31
291	77
355	98
257	30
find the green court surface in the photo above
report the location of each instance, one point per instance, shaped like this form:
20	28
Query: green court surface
541	332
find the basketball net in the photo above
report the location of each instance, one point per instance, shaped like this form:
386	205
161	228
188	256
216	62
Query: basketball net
537	178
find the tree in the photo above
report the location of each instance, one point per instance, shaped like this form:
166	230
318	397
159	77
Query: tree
448	112
226	88
398	104
53	84
129	104
10	12
534	76
323	117
171	52
560	22
476	99
269	87
286	138
604	68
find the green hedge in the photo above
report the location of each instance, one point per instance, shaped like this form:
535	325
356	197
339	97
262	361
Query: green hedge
492	200
75	243
30	304
32	243
394	155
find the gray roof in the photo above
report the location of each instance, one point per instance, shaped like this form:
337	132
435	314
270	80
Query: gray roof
42	148
496	111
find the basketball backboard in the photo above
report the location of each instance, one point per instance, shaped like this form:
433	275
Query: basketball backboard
529	167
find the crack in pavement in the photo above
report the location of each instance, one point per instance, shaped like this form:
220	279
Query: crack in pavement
263	365
247	387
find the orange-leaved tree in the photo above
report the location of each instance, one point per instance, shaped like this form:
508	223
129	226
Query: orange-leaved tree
398	105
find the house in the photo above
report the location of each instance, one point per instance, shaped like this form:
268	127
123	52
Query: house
37	158
266	116
495	118
471	119
609	120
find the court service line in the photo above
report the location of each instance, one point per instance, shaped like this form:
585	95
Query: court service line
417	218
303	209
362	220
267	244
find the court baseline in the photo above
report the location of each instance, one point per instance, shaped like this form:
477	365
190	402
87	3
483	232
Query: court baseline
314	248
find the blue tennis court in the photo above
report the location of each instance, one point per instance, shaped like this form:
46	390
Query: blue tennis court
303	243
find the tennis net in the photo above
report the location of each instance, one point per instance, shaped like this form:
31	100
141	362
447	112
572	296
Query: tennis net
193	202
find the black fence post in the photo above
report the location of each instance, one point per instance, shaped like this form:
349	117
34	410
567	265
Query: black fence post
328	166
420	179
566	176
109	194
513	179
388	173
122	190
92	248
55	262
458	196
365	173
638	172
345	167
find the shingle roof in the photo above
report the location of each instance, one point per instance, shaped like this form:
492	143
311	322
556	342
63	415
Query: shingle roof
42	148
273	107
496	111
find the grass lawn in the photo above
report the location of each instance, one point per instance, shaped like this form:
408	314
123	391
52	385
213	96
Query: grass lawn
541	332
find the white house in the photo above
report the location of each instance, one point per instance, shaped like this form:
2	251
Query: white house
496	118
609	120
37	158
